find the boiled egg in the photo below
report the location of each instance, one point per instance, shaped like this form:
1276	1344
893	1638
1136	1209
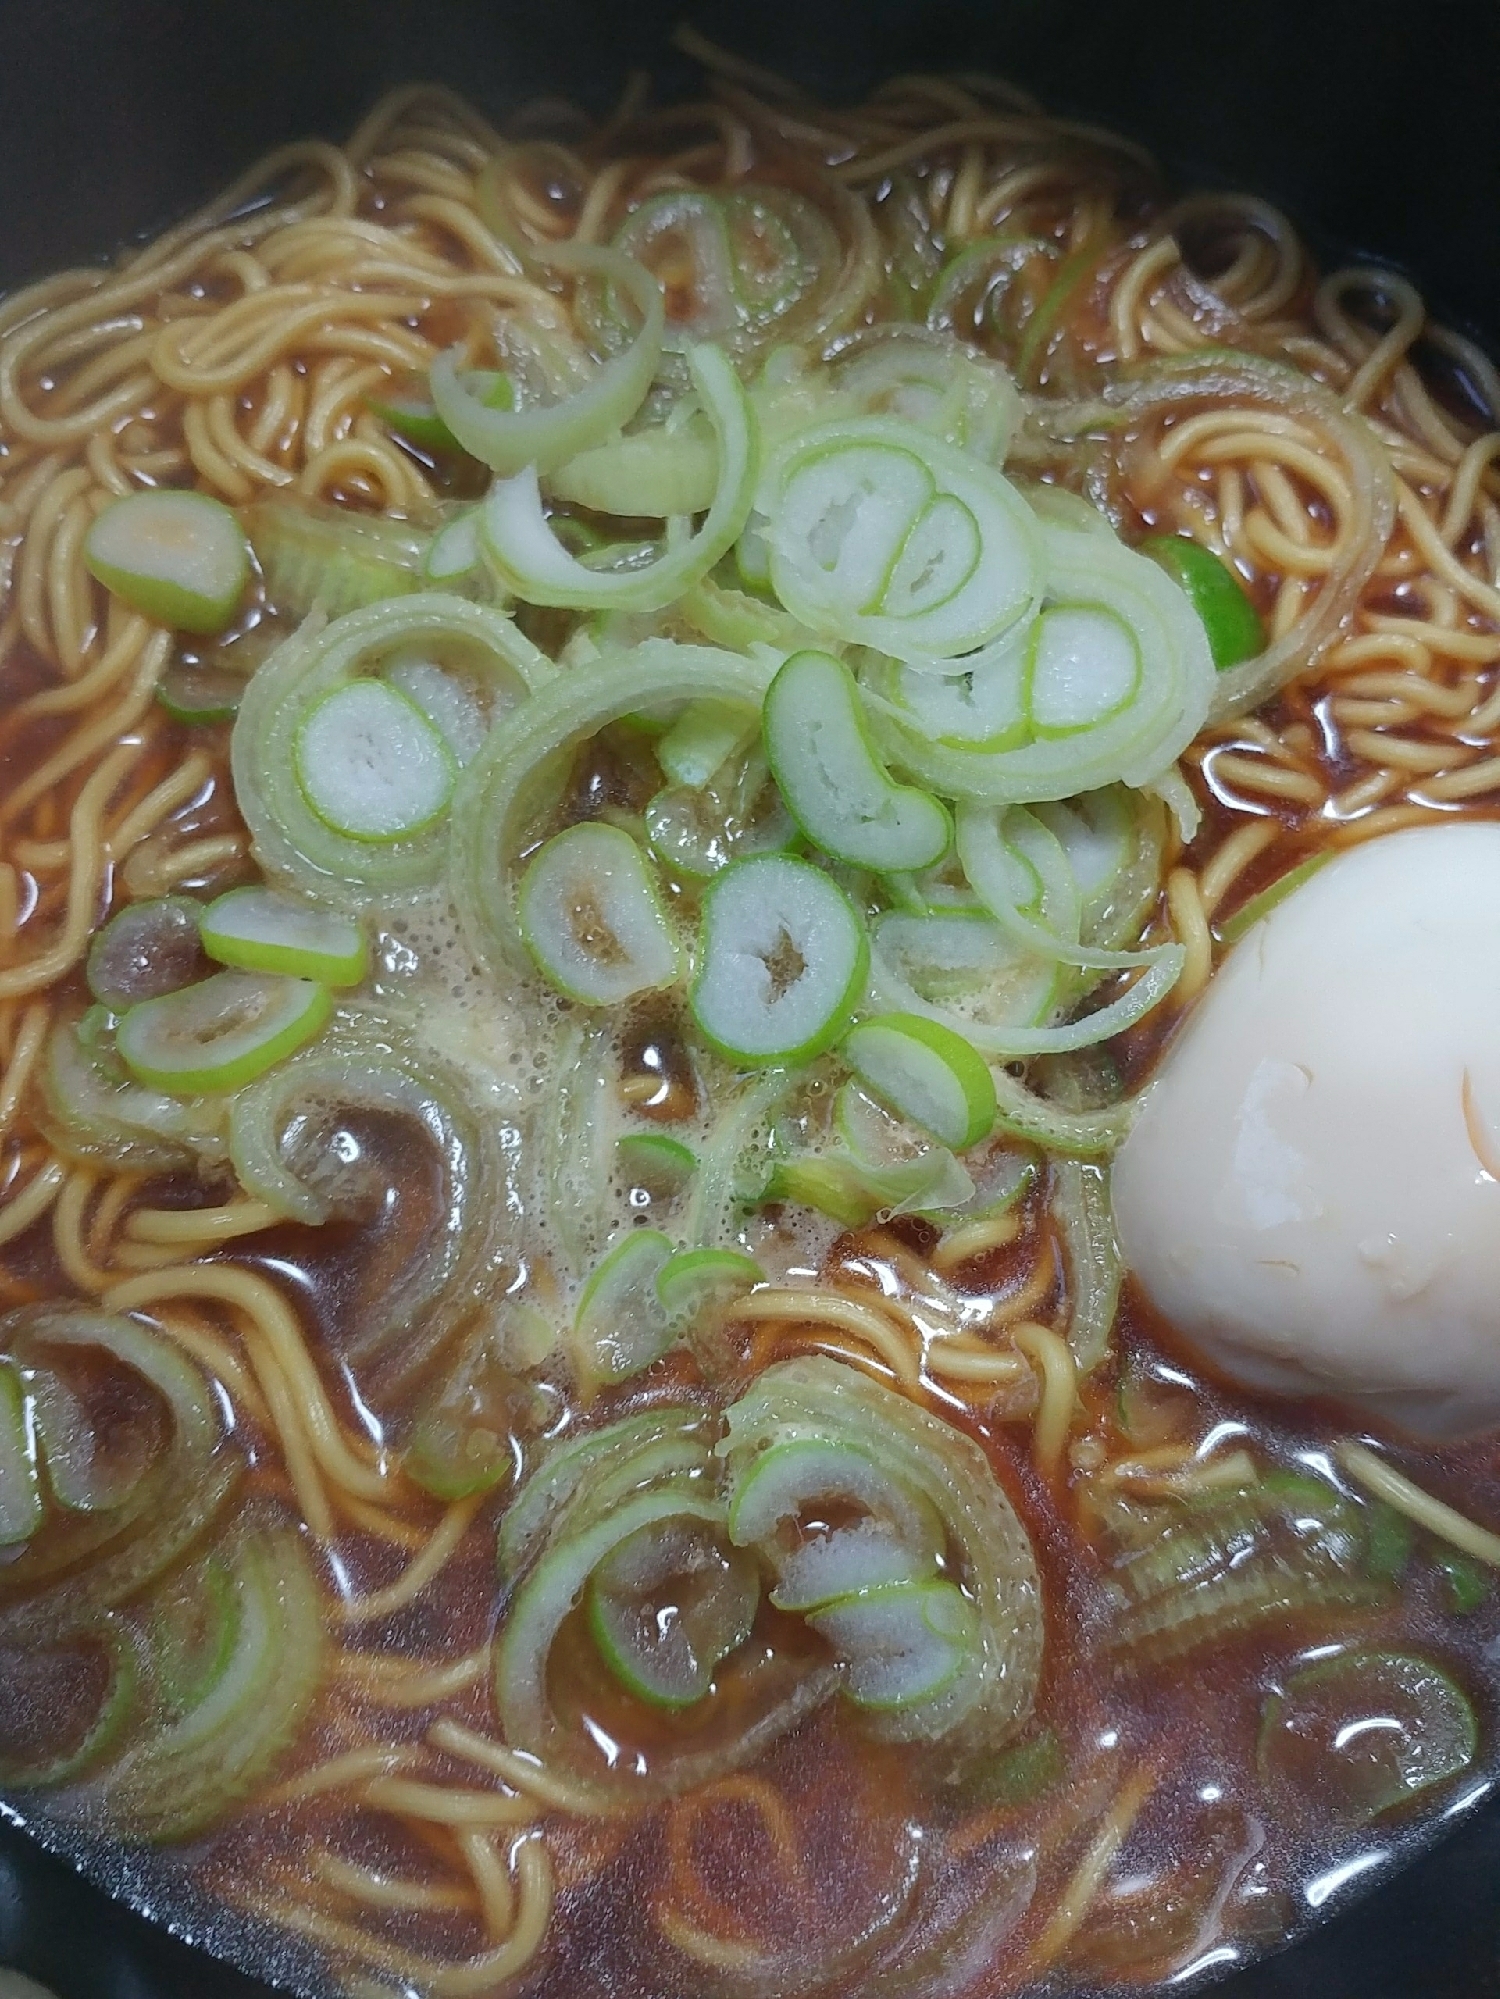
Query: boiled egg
1311	1192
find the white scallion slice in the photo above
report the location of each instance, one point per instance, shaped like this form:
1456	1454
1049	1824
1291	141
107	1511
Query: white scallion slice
959	968
703	739
222	1033
591	917
181	558
547	435
620	1327
534	563
801	1476
695	1280
662	1166
927	1073
834	784
265	930
454	552
371	765
886	536
20	1485
782	961
450	706
667	1605
1085	665
902	1643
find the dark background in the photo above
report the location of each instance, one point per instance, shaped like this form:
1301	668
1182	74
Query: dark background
1376	126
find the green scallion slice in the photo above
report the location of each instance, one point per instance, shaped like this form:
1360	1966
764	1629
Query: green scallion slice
782	961
265	930
222	1033
927	1073
591	917
179	557
1232	622
371	765
834	783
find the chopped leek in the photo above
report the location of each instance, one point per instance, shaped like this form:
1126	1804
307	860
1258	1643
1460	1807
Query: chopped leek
693	1280
620	1327
667	1605
327	558
146	949
657	472
1134	735
782	961
545	436
834	784
702	740
903	1644
20	1483
221	1034
1216	593
291	840
371	765
179	557
662	1166
887	537
199	694
500	792
997	1635
592	919
454	553
534	563
925	1072
265	930
1363	1732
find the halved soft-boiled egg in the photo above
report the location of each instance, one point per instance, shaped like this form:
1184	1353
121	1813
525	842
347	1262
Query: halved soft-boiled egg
1311	1193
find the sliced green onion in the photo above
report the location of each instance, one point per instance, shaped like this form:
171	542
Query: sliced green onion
1466	1584
534	563
958	968
989	1694
929	380
1136	738
371	765
903	1643
221	1034
146	949
802	1477
889	538
650	1159
464	1439
1363	1732
1084	665
834	784
651	1445
454	552
502	791
542	438
93	1110
620	1327
1216	593
592	919
291	840
693	1281
666	1606
415	418
1250	913
782	961
702	740
699	829
102	1733
179	557
185	1775
927	1073
449	705
328	558
266	930
656	472
20	1482
200	694
1287	1548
